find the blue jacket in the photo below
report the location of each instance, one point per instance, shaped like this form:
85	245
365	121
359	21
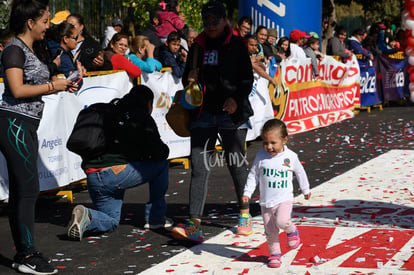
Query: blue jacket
382	45
67	65
173	60
355	46
148	65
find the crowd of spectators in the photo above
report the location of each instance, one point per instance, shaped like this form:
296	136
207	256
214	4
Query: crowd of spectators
156	46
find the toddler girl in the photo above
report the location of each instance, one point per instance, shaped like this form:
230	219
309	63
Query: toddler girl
272	169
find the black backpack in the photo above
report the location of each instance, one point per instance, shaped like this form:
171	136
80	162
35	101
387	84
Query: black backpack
94	130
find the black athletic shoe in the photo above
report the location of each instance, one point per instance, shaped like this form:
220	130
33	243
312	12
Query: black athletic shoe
34	263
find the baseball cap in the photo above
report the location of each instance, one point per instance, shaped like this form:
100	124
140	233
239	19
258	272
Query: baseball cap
314	34
295	35
117	22
213	8
59	17
307	35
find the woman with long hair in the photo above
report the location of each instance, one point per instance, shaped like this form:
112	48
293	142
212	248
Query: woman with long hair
283	47
26	79
88	51
67	36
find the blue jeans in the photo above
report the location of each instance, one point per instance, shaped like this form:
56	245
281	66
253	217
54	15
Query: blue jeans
107	190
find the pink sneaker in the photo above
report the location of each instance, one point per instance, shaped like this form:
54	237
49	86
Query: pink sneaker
293	239
274	261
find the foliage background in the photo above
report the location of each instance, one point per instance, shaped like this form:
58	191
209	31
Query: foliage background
140	10
135	13
361	13
4	13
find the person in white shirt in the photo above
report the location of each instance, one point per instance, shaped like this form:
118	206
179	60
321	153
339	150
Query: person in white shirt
273	170
296	41
110	31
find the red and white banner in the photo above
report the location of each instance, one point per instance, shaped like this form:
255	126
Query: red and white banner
305	104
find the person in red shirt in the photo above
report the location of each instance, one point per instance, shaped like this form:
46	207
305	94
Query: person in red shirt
243	26
116	53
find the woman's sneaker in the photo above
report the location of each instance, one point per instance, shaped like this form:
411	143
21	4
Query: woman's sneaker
156	225
189	232
274	261
293	239
79	223
245	225
33	264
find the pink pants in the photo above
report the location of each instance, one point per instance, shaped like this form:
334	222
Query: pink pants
275	218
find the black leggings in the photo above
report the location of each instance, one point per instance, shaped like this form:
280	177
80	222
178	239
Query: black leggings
19	145
203	142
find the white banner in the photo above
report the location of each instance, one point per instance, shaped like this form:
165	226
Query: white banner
164	85
262	106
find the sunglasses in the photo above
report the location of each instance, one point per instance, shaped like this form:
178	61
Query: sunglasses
74	37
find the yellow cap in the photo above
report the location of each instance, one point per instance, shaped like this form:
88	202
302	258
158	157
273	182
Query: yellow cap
60	16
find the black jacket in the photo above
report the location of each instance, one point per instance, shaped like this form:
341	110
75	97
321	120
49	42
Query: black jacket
88	51
149	32
137	138
225	71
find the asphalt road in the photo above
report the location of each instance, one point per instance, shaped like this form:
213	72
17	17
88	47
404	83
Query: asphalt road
325	153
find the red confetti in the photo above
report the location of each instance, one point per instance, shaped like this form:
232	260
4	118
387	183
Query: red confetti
197	265
169	270
61	267
362	178
226	268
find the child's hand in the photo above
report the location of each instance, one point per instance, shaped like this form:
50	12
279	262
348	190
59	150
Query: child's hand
183	54
307	196
245	199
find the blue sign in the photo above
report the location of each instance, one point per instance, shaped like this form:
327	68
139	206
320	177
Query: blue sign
284	15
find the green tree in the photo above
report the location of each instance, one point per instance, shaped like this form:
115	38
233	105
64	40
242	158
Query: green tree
141	8
4	13
375	10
